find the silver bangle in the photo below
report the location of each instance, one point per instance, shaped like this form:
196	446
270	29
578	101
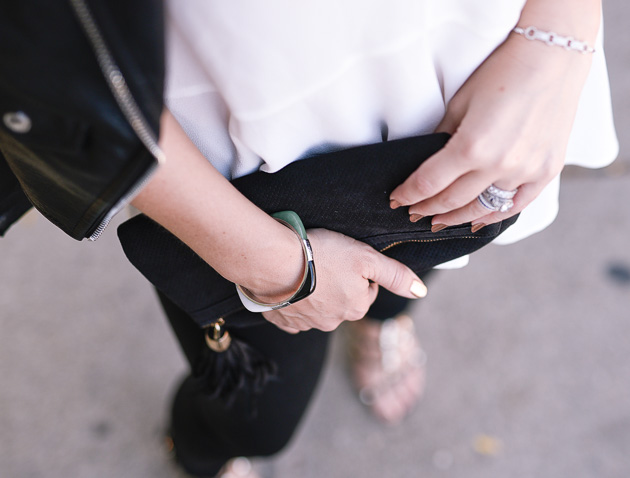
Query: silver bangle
553	39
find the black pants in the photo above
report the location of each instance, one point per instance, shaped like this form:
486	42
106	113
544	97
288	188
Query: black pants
206	433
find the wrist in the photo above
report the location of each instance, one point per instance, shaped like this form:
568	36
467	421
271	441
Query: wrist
547	64
278	270
256	303
554	39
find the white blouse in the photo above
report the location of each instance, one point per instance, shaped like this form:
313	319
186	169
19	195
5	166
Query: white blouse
259	84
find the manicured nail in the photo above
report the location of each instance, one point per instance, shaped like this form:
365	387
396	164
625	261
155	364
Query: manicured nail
415	217
394	204
438	227
477	227
418	289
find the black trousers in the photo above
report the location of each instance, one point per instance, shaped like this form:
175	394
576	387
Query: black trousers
207	433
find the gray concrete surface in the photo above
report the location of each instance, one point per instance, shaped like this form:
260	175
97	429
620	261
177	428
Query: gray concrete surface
529	353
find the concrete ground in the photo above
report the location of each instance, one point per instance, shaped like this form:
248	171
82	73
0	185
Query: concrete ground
529	368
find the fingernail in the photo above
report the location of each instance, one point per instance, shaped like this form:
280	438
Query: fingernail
415	217
394	204
418	289
438	227
477	227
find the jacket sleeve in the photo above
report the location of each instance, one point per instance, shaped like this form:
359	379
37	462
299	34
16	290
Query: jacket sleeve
13	201
63	132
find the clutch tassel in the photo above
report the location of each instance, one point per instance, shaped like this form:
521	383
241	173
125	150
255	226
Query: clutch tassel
229	367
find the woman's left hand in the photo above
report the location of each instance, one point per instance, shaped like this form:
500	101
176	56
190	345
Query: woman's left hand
510	124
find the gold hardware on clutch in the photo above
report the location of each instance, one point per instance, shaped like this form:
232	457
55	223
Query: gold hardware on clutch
220	340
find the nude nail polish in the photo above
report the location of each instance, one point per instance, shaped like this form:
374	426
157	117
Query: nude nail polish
477	227
418	289
394	204
415	217
438	227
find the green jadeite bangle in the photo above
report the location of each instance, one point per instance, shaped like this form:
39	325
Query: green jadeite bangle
307	286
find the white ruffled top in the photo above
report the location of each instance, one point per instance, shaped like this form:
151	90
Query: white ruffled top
259	84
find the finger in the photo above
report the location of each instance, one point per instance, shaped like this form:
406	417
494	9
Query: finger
476	213
277	319
448	124
289	330
372	292
526	194
470	212
395	277
473	210
456	196
433	176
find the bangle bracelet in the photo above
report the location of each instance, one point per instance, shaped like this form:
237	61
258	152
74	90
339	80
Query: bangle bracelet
553	39
307	285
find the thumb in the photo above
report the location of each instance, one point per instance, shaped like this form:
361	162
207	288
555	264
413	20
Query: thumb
455	111
396	277
448	124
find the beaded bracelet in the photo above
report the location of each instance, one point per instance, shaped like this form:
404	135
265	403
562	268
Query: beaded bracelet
553	39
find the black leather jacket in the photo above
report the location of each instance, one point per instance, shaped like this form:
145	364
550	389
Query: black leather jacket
81	88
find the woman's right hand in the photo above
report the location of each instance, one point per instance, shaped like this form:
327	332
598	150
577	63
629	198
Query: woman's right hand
349	273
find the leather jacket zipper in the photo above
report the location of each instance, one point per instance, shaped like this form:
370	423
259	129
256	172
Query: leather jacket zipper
125	101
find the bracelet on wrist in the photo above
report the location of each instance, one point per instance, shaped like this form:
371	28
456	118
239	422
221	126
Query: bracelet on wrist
307	285
553	39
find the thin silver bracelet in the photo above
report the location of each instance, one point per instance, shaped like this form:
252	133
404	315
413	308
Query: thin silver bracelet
553	39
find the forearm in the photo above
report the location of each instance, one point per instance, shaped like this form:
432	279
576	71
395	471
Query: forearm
190	198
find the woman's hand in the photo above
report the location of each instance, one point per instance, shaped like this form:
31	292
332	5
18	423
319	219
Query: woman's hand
348	275
510	124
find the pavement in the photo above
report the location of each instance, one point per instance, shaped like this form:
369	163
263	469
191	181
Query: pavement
529	353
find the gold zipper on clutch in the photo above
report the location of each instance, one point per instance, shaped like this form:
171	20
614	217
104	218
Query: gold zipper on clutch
425	240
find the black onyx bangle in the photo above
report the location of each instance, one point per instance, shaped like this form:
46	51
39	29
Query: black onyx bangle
307	285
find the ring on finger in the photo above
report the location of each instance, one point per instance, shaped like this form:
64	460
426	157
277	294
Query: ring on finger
496	199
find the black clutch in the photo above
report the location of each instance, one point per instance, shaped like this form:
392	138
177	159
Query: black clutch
345	191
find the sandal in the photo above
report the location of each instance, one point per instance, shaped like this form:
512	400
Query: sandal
387	365
239	467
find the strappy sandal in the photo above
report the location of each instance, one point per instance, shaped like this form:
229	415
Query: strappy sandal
387	365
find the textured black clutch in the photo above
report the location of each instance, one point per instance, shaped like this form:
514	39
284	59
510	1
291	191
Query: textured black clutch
345	191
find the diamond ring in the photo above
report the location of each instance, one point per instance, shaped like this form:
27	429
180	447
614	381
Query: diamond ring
496	199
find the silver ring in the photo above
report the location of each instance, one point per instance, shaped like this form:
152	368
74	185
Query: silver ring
496	199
